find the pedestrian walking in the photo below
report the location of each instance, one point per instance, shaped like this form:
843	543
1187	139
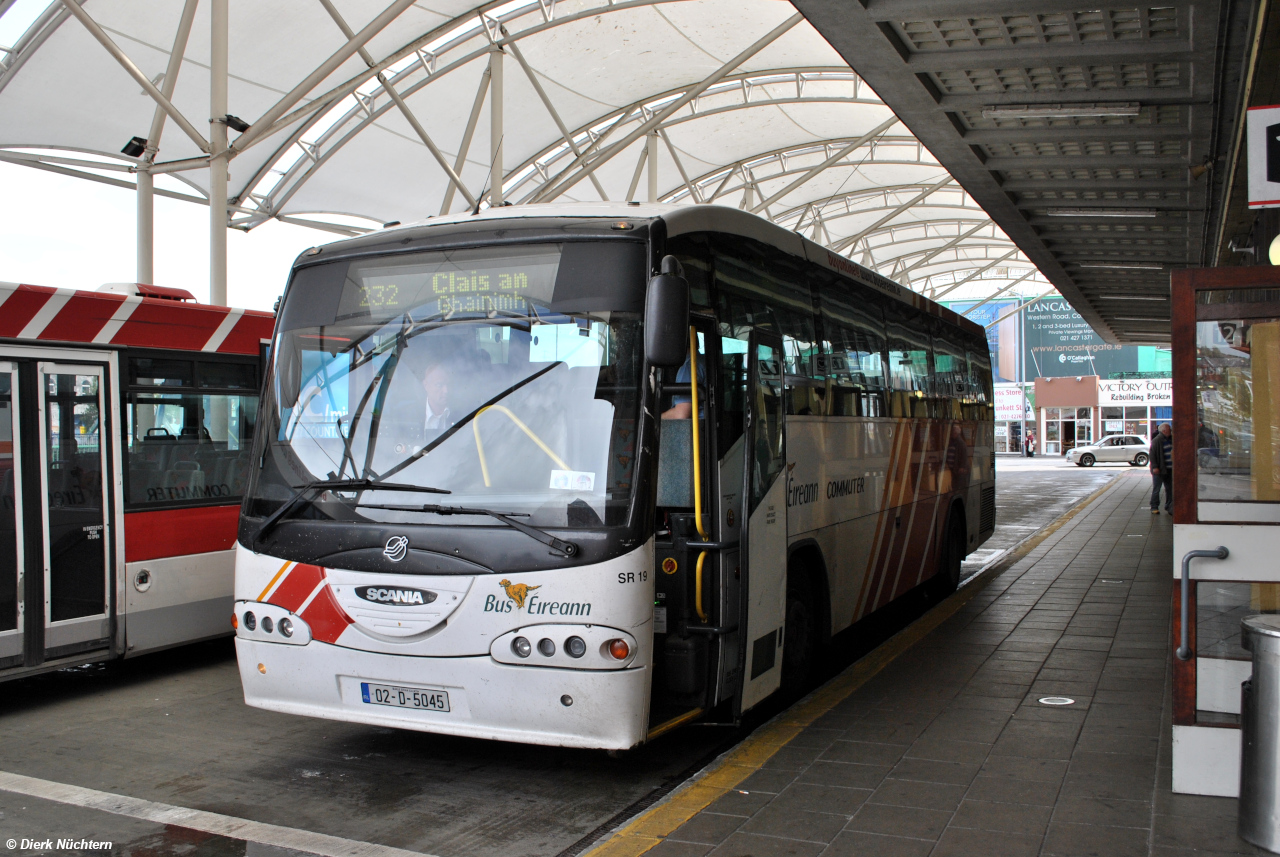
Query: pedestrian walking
1161	458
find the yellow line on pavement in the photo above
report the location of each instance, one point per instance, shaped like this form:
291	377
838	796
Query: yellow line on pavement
724	774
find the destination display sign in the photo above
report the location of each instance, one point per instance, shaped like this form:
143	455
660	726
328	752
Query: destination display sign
440	284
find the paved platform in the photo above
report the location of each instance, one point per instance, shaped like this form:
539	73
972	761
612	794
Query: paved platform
937	744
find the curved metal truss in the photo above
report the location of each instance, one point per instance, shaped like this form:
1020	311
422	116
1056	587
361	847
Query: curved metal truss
919	228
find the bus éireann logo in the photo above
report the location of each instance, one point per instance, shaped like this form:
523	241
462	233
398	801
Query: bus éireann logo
520	597
517	592
397	548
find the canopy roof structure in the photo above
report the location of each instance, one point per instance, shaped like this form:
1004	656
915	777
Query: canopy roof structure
349	114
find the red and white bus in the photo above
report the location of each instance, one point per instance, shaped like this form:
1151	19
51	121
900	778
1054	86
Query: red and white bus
126	419
576	475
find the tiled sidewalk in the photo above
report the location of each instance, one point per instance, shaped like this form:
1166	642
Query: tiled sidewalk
948	751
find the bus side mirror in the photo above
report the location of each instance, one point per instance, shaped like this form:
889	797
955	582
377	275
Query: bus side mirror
666	316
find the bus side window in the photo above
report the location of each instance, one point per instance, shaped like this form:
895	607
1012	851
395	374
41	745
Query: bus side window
189	432
909	365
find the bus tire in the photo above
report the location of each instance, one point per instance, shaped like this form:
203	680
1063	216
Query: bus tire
951	551
800	634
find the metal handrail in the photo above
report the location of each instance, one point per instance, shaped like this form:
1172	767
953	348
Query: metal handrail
1184	651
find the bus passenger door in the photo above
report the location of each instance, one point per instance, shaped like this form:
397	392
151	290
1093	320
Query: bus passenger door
764	531
75	526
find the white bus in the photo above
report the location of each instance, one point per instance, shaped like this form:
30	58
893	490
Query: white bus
576	475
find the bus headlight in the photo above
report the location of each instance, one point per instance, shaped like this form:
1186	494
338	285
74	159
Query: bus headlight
567	646
261	623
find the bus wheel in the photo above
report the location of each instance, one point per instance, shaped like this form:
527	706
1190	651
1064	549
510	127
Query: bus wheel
951	554
799	649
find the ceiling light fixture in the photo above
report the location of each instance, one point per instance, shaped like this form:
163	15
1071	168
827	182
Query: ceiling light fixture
1122	265
1132	298
1060	111
1150	318
1099	212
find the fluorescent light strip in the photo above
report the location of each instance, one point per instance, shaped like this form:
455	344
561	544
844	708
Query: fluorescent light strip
1122	266
1060	111
1099	212
1132	298
1150	318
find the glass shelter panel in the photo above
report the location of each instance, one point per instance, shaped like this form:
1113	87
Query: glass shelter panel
1238	385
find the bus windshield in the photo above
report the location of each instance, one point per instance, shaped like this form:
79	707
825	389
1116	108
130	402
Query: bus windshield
506	376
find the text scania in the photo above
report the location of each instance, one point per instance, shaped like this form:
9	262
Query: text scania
538	607
395	596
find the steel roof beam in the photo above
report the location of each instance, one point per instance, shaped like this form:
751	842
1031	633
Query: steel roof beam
854	239
299	92
465	146
577	170
136	73
1067	53
977	272
874	134
952	243
546	102
1132	132
409	117
989	298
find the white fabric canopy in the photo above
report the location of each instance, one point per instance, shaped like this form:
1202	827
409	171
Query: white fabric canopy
766	117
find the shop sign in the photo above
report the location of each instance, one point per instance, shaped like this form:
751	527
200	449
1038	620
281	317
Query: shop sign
1002	431
1110	426
1009	402
1154	392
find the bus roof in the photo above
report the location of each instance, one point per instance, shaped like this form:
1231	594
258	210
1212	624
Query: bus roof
43	314
679	220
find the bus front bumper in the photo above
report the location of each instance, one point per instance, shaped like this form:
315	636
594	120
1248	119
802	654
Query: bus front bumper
486	699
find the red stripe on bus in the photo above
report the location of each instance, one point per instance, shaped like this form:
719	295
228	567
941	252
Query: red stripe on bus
300	582
82	317
325	617
157	325
21	306
179	532
246	337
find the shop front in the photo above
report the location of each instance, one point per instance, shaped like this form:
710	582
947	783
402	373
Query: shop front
1076	411
1013	417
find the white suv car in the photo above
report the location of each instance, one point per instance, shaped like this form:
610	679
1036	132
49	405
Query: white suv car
1128	448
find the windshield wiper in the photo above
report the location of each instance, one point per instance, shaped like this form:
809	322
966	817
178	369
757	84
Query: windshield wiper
452	430
566	548
335	485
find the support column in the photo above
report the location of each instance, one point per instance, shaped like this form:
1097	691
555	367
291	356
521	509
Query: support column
218	19
651	164
145	271
495	127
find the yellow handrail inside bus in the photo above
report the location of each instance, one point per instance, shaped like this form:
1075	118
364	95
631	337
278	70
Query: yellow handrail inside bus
697	471
484	465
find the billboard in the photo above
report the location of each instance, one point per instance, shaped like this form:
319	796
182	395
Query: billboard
1002	338
1057	342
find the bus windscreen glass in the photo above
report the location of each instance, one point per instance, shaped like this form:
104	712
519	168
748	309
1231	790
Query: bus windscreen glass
507	376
